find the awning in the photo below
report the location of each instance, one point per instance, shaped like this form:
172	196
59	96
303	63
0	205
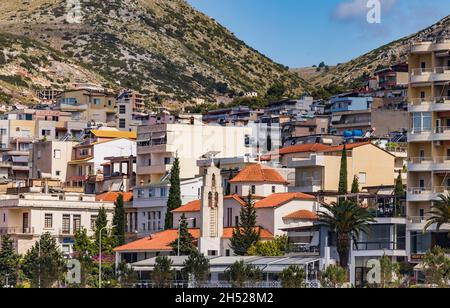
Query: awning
20	159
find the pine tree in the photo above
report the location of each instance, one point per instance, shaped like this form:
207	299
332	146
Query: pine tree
174	201
355	185
84	249
245	235
186	240
343	182
197	266
119	221
44	263
163	273
8	263
100	224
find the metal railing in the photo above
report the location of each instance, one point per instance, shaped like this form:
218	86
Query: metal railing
418	219
377	245
420	190
442	129
148	284
421	71
442	70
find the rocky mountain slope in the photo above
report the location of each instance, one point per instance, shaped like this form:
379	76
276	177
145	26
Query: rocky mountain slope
161	47
392	53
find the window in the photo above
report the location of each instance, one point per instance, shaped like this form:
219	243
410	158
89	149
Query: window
76	223
362	177
167	160
66	224
273	189
122	123
57	154
48	221
229	217
253	189
46	132
194	223
39	154
235	189
236	221
151	192
97	101
163	192
122	109
140	194
212	253
58	173
93	222
421	121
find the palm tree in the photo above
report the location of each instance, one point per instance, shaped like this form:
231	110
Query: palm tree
348	220
440	213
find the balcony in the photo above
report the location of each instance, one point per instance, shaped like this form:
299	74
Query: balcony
420	164
158	169
429	46
381	245
16	231
310	186
420	135
441	133
421	194
421	75
312	161
417	222
441	74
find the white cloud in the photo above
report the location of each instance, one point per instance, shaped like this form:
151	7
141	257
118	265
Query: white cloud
350	10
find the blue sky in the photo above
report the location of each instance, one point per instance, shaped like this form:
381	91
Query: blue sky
305	32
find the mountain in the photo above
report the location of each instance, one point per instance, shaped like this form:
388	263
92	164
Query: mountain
350	73
161	47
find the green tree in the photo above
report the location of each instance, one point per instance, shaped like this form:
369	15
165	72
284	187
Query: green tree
276	91
399	193
185	242
343	177
241	274
9	261
174	200
390	272
355	185
440	213
347	219
163	273
126	275
197	266
245	234
84	250
275	248
437	268
333	277
293	277
119	221
44	266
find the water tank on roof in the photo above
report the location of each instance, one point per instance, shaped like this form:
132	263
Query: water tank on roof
358	133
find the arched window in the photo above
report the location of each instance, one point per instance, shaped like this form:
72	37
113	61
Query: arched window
213	180
216	201
210	196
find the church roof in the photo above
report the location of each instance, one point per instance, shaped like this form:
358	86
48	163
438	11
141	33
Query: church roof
302	214
276	200
190	207
257	173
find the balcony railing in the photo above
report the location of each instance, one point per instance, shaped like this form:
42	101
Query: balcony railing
381	245
418	219
16	230
420	190
442	70
420	160
421	71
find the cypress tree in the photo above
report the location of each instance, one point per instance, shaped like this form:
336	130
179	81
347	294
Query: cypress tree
119	221
8	262
245	234
174	200
399	192
186	241
343	183
355	185
101	223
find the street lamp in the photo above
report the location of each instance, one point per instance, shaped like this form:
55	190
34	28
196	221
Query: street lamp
179	231
100	256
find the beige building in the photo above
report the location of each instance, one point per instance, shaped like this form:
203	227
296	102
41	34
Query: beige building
159	144
429	143
318	167
130	110
51	158
26	217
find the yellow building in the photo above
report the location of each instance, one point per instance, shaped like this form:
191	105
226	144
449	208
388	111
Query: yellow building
429	142
318	167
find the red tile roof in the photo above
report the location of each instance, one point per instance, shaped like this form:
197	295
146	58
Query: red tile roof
350	146
257	173
111	196
157	242
239	199
302	148
302	214
191	207
161	241
276	200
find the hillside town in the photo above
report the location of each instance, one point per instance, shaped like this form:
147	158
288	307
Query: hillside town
236	196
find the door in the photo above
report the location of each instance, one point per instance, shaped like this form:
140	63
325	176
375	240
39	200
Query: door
422	214
423	66
25	223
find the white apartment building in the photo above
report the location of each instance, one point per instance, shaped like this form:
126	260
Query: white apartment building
159	144
150	202
429	144
27	216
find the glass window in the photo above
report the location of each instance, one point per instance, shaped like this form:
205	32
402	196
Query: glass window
66	224
57	154
122	123
122	109
48	221
163	192
151	192
421	121
93	222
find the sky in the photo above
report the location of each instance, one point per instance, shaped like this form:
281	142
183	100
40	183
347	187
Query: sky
299	33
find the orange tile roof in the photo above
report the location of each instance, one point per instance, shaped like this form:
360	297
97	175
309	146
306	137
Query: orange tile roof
257	173
239	199
193	206
302	148
265	234
157	242
276	200
113	134
302	214
350	146
161	241
111	196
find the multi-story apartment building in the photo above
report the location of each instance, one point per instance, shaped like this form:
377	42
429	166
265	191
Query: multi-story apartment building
429	143
51	158
89	104
130	110
393	77
315	125
27	216
159	144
